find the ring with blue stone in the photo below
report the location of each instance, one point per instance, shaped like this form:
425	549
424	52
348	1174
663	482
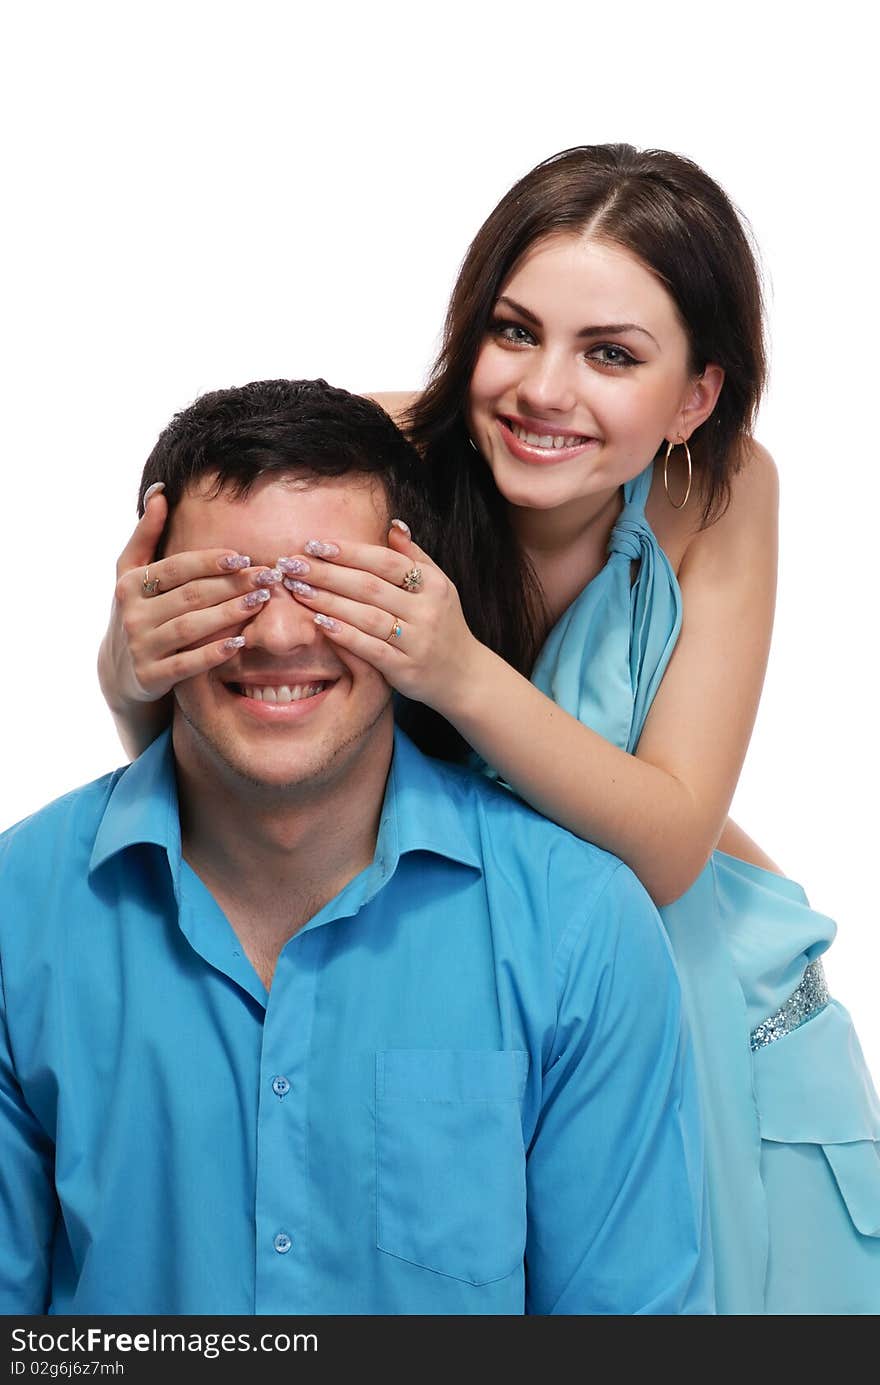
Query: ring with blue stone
395	632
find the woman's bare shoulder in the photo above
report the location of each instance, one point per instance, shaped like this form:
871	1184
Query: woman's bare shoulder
745	534
753	506
394	402
757	480
754	496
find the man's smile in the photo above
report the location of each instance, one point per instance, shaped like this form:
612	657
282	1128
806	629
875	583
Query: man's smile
282	693
279	698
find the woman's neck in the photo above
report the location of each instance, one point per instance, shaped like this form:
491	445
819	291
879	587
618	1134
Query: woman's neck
567	547
548	534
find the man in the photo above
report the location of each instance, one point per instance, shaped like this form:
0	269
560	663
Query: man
298	1020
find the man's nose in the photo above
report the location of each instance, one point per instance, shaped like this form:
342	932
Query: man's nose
282	625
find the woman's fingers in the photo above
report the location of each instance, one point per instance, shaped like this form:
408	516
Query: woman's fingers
391	564
383	654
149	634
173	617
328	585
161	677
184	629
367	573
147	532
158	579
392	607
402	542
199	594
371	620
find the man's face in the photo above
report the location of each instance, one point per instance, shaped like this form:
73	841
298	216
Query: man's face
340	718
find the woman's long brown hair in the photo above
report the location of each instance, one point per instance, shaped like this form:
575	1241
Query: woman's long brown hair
670	214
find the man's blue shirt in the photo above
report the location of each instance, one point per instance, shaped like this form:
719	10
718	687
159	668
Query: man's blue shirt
468	1090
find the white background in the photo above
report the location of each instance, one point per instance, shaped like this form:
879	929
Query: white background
201	194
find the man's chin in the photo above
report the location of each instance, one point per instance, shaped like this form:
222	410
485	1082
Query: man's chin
270	767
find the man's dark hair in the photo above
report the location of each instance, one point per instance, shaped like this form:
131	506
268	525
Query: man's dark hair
288	426
311	429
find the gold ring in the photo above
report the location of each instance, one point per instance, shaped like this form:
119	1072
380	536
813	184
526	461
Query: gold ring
413	580
395	632
150	585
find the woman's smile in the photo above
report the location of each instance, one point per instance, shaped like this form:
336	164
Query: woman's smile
540	443
583	371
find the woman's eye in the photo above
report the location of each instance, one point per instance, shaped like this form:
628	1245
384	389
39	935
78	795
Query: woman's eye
611	356
512	332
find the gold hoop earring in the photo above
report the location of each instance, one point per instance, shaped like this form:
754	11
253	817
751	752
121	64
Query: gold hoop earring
687	453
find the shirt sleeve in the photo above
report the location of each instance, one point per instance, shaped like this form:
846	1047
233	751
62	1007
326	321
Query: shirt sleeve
616	1192
28	1205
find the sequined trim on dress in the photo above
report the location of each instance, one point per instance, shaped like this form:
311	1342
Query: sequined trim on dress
807	1000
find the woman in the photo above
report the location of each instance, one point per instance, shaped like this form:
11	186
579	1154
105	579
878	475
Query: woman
610	530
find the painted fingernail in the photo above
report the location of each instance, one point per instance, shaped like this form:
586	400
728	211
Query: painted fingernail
402	526
256	598
326	622
234	642
234	562
301	588
268	577
292	567
319	549
154	489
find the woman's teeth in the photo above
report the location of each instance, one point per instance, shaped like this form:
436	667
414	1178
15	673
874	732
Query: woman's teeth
282	694
550	441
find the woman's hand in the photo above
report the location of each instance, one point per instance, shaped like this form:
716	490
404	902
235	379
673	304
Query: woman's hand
191	622
392	607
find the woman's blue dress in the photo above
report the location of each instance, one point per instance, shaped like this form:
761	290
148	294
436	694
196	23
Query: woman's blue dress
792	1118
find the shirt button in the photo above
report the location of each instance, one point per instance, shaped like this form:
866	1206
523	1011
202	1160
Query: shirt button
281	1086
282	1243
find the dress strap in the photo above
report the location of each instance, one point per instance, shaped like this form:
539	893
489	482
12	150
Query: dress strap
606	655
636	491
632	533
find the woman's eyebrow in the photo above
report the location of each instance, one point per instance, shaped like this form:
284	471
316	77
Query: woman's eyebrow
518	308
607	329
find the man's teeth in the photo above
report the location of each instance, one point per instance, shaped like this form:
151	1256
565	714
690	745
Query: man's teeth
284	693
551	441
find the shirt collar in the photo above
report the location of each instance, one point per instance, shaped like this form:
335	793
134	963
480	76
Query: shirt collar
426	807
422	809
142	807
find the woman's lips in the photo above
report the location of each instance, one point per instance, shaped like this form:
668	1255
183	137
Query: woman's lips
542	456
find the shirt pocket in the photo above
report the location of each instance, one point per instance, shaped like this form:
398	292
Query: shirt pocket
450	1160
813	1087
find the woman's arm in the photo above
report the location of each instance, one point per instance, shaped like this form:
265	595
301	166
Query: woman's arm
396	403
735	842
661	810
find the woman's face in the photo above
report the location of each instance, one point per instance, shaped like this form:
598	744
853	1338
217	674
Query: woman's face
583	372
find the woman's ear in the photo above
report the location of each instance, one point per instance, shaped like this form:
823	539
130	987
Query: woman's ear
700	400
